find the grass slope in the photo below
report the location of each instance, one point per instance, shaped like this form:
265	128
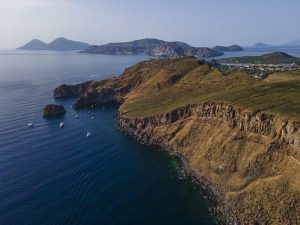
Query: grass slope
169	84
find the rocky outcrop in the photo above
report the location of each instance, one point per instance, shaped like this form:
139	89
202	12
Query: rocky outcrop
243	156
103	97
65	91
53	110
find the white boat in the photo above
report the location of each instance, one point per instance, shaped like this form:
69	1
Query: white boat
30	124
76	116
88	134
62	124
93	117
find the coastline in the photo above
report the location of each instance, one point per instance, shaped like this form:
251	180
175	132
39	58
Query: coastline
218	209
276	131
223	214
248	157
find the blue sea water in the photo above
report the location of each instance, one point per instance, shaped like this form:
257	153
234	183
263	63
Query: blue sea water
54	176
57	176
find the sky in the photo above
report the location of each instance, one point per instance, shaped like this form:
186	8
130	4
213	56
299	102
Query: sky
197	22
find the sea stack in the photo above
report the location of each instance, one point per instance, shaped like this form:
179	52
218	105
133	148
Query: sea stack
53	110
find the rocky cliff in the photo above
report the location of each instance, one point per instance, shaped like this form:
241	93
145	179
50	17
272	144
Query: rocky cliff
239	135
250	160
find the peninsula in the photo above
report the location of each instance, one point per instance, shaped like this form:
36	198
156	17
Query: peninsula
239	135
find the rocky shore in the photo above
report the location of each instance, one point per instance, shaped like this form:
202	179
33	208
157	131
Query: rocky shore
172	131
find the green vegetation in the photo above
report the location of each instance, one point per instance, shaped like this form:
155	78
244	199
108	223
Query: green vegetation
278	93
257	166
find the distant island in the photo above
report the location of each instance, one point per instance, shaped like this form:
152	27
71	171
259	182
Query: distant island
294	43
59	44
155	47
231	48
147	46
260	44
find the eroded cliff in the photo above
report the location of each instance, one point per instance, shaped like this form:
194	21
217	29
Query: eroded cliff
250	160
238	134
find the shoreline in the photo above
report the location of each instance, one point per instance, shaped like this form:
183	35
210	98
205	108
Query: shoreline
173	133
218	208
247	157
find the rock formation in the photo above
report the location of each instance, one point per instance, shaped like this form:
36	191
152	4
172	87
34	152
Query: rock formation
53	110
243	156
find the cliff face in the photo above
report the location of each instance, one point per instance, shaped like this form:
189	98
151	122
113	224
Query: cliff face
243	155
235	132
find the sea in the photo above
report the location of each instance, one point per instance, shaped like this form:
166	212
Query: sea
57	176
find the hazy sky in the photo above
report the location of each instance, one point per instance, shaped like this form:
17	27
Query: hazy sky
197	22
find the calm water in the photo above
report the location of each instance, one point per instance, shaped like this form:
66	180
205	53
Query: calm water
55	176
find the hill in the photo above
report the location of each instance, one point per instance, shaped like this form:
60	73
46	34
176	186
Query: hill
271	58
63	44
153	47
231	48
237	134
59	44
35	44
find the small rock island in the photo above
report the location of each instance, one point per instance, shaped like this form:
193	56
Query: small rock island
53	110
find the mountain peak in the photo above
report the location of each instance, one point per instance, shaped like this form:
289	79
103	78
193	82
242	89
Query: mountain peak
59	44
34	44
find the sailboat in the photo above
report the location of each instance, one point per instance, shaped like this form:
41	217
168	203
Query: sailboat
62	124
